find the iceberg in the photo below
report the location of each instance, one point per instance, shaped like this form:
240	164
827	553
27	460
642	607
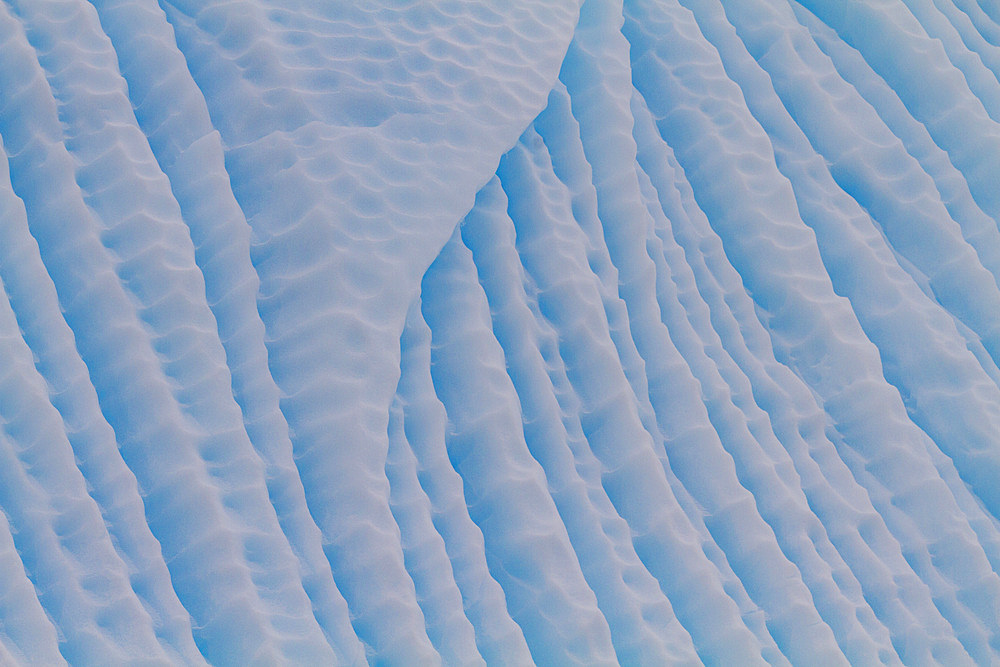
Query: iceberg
460	332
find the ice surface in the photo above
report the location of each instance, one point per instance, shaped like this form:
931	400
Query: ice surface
460	332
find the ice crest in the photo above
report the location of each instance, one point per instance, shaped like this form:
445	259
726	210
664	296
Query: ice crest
460	332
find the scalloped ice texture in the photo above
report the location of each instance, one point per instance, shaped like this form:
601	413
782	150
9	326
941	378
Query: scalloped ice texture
469	332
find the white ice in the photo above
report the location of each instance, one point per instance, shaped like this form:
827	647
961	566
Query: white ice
463	332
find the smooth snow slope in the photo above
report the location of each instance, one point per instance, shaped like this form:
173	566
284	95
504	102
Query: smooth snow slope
415	332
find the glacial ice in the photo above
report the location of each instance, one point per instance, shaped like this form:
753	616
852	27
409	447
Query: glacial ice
416	332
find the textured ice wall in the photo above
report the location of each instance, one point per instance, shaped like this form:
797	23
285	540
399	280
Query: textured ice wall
459	331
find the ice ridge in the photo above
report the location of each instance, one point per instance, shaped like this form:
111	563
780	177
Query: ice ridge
407	332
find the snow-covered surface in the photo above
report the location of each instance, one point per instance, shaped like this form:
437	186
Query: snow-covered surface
460	331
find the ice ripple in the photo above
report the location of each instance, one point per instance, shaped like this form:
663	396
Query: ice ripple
461	332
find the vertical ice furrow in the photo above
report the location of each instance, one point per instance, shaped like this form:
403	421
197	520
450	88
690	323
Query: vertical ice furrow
28	635
424	552
58	580
991	11
643	627
146	233
526	543
945	592
981	80
365	209
191	155
904	324
663	537
829	577
572	168
753	365
561	134
793	288
981	23
334	393
954	117
763	466
135	396
834	495
978	350
868	162
222	240
137	402
245	63
168	105
60	535
600	87
499	639
674	392
559	130
579	178
979	44
112	485
853	519
984	524
966	594
235	50
979	229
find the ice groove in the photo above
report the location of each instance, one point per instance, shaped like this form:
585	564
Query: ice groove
634	332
